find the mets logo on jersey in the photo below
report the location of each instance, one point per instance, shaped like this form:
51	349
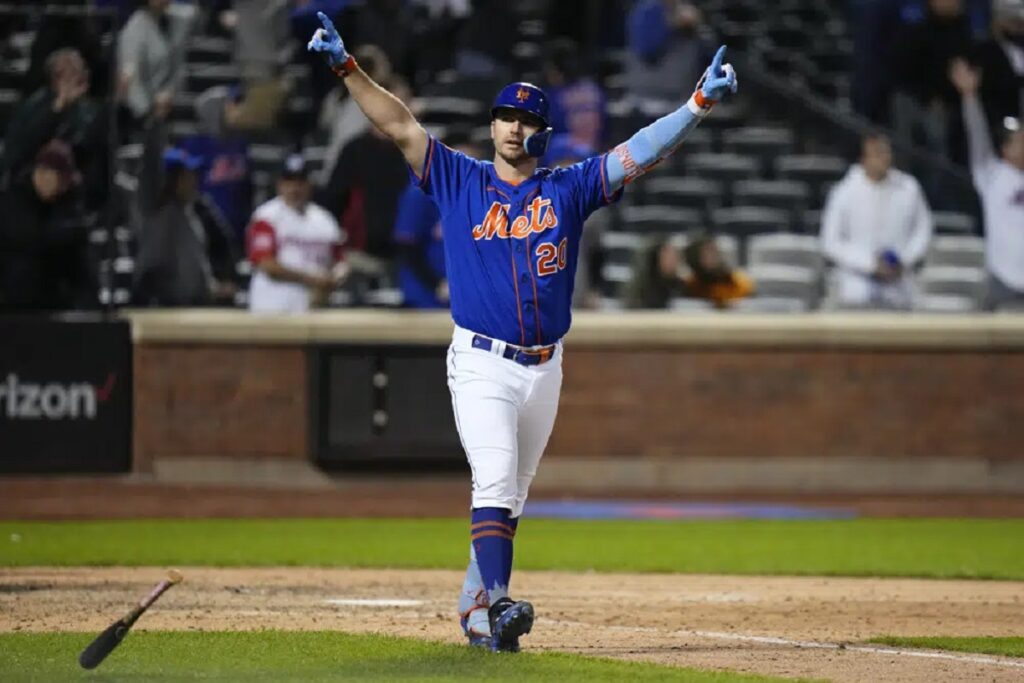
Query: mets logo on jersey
541	217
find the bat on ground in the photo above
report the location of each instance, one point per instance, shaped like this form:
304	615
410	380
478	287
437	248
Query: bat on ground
105	642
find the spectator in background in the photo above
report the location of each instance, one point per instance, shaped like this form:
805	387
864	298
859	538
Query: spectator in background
150	58
578	104
1000	183
59	31
1001	60
185	253
61	110
876	227
418	240
666	50
923	98
42	239
294	246
363	189
660	275
340	116
226	176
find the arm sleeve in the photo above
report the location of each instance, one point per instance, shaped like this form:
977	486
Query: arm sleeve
920	232
842	252
981	153
444	174
260	241
650	145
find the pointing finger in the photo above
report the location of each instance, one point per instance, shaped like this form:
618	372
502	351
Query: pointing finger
716	63
326	21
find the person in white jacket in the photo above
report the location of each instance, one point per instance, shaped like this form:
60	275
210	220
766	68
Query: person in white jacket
875	228
999	181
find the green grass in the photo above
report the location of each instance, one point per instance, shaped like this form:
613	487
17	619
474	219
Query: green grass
982	548
1007	646
312	656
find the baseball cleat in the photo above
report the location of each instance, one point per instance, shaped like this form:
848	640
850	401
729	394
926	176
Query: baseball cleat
509	620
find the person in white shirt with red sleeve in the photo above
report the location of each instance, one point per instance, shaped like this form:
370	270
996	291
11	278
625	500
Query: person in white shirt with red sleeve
1000	184
875	228
294	246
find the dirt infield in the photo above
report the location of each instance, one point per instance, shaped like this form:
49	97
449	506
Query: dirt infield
770	625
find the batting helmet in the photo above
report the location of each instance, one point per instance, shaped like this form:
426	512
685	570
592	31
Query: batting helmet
528	98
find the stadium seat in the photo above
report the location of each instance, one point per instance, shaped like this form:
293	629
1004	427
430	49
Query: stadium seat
210	49
771	304
743	221
791	195
660	219
687	305
957	250
953	223
205	75
785	248
724	167
763	143
774	281
620	247
814	169
682	191
955	281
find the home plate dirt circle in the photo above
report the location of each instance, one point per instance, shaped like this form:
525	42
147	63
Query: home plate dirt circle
812	627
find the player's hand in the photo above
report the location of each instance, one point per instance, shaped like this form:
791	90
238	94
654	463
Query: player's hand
327	42
965	79
719	79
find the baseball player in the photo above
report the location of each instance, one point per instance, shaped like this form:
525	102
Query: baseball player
511	240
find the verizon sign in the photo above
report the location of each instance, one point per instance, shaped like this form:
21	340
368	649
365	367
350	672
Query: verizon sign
21	400
65	395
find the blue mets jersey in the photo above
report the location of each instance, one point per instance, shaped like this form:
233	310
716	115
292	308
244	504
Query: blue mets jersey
511	250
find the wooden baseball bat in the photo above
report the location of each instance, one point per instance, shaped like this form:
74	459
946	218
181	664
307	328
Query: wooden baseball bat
105	642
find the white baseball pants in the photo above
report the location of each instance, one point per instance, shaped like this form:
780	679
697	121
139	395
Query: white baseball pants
504	413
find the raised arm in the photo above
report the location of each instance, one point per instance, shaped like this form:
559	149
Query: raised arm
981	153
653	143
384	110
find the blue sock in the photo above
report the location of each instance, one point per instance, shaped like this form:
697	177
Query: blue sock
492	533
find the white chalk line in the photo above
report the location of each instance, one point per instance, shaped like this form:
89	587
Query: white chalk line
807	644
361	602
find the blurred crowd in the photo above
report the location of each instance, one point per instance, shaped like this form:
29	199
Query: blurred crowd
95	140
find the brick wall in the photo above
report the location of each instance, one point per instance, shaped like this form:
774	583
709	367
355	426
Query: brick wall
791	402
219	400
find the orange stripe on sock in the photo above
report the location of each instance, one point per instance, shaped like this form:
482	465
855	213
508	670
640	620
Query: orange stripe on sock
486	534
500	525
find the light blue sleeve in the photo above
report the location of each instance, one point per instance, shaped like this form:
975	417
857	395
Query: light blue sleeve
650	145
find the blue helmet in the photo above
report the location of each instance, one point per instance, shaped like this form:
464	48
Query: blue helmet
528	98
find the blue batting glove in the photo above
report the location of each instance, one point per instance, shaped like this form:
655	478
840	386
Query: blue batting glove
719	80
327	42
